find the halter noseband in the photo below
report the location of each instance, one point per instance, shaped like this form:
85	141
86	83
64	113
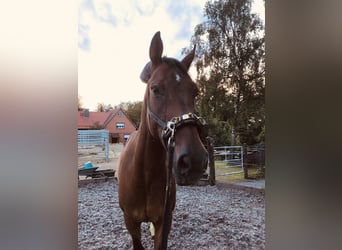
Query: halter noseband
169	128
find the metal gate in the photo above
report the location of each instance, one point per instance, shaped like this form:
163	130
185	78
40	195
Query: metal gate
231	157
94	143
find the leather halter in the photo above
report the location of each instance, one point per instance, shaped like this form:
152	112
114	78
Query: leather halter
169	128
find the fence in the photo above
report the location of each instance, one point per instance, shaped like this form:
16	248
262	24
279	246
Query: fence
255	156
232	156
239	158
93	143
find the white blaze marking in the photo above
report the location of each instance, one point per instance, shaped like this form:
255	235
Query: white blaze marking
178	78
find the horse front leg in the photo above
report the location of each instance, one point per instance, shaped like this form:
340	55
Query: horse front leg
134	229
160	238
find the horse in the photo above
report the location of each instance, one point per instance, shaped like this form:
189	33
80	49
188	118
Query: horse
165	150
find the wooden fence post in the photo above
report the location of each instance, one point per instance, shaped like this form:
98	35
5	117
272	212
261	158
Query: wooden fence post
211	161
245	168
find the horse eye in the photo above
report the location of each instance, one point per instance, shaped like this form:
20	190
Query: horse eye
156	90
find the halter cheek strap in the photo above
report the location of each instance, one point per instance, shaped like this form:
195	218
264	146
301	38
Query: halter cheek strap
155	118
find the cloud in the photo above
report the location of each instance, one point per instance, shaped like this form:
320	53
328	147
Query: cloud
145	8
100	11
87	5
104	13
186	14
114	40
83	38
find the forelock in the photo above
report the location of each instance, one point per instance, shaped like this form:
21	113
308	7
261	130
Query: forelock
172	62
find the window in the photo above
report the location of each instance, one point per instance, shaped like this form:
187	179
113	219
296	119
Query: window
120	125
120	114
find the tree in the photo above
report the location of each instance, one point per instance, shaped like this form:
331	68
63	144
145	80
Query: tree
79	104
101	107
133	111
230	71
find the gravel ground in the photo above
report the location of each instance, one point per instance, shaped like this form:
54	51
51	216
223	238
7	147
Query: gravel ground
205	217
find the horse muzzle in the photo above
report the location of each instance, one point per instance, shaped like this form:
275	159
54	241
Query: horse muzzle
190	165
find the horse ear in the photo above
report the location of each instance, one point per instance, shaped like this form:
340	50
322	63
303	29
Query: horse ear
146	73
187	60
156	49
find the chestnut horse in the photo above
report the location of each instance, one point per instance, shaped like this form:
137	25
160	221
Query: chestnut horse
166	148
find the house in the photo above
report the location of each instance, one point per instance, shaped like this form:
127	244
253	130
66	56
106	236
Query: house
116	122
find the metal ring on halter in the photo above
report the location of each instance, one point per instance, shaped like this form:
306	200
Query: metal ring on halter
171	126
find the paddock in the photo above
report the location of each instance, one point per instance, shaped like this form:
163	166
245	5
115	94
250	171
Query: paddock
206	217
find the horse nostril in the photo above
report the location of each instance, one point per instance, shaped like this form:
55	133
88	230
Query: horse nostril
184	164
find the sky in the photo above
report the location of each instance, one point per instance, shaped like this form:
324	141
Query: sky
114	39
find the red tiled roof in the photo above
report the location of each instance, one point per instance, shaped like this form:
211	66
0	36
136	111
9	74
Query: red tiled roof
94	117
101	118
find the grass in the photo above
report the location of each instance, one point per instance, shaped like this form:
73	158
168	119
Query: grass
221	167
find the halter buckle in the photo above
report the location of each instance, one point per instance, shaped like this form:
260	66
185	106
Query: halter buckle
171	126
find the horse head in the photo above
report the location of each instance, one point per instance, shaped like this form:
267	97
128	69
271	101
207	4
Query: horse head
170	105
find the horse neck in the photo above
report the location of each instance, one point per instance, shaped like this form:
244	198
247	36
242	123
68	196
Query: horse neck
151	144
150	156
